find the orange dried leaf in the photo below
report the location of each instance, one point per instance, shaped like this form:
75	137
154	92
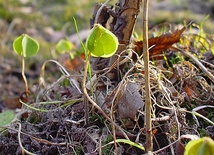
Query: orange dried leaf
14	103
159	44
75	64
188	91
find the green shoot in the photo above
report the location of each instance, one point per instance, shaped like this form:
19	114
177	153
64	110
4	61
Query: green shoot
127	142
64	46
25	46
101	42
6	117
86	54
202	25
95	37
201	146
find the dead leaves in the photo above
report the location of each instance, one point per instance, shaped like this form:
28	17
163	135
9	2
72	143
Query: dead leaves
75	64
14	102
128	102
159	44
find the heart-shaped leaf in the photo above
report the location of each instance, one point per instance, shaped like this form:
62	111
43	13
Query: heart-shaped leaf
25	45
6	117
101	42
201	146
64	46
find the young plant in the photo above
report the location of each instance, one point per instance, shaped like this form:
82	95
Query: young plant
202	146
101	42
96	45
64	46
25	46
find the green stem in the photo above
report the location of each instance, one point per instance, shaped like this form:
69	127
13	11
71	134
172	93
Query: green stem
95	104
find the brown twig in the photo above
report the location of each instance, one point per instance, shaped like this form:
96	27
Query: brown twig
201	66
95	104
149	137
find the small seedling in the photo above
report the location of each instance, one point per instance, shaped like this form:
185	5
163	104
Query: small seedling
25	46
6	118
101	42
202	146
65	46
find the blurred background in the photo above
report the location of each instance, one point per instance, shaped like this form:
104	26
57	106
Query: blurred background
51	20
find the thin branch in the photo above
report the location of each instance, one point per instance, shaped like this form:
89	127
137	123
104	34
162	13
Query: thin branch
201	66
149	137
95	104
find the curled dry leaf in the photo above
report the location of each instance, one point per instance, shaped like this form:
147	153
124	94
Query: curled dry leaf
159	44
128	100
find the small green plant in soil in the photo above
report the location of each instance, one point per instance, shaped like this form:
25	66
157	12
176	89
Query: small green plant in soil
6	118
65	46
202	146
101	42
25	46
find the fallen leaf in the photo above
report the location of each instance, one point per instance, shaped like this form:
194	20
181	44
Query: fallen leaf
13	102
159	44
75	64
130	101
188	91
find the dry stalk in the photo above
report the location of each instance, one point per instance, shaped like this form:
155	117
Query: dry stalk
202	67
95	104
24	77
149	136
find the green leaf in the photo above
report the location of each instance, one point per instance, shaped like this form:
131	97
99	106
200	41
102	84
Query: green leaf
212	49
64	46
202	146
25	45
17	45
6	117
101	42
127	142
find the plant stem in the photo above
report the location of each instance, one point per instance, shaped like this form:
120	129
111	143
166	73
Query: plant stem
23	75
94	103
149	143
